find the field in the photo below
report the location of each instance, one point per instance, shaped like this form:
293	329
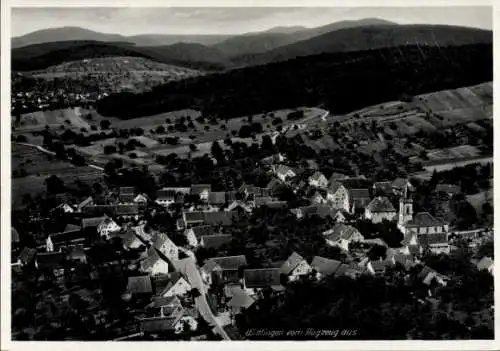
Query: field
71	118
477	200
118	73
39	167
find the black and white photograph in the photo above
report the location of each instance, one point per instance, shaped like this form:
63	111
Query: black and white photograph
249	173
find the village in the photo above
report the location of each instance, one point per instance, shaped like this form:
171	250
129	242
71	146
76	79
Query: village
181	267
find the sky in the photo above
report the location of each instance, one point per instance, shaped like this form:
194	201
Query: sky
235	20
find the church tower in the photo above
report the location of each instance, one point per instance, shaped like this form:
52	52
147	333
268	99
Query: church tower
405	209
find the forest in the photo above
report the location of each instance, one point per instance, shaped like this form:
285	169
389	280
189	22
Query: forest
340	82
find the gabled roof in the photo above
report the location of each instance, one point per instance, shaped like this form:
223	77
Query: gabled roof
262	200
273	183
380	266
231	196
71	227
150	260
424	219
165	301
194	217
240	299
129	237
403	259
99	210
384	187
220	217
337	176
319	210
165	283
426	270
201	230
126	190
217	197
289	265
324	265
139	285
166	194
51	260
216	241
355	194
128	209
334	187
85	202
126	198
197	189
283	169
380	204
65	237
160	324
227	262
262	278
160	239
317	176
400	183
341	231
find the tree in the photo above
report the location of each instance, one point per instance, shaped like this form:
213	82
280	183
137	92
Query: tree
192	147
160	130
109	149
105	124
54	185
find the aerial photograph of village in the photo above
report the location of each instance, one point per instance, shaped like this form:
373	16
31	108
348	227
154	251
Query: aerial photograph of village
251	173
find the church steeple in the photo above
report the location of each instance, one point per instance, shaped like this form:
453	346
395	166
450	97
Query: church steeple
405	208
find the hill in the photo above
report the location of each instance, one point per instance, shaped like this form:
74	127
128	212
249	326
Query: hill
253	43
341	82
369	38
170	39
63	34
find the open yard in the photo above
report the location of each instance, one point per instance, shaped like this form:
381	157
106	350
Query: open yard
71	118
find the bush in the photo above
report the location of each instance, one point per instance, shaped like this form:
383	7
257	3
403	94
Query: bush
132	155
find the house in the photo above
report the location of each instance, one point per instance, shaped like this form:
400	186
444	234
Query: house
77	254
141	200
337	177
349	271
422	229
194	234
127	211
129	239
165	197
215	241
192	218
175	284
379	209
239	206
284	173
382	188
341	235
126	198
217	198
165	246
26	257
485	263
202	190
238	298
126	190
153	263
322	211
339	216
401	186
166	314
223	269
255	280
223	218
107	226
295	266
54	262
318	198
64	207
358	199
407	261
324	266
139	285
71	236
378	267
338	196
274	159
318	179
429	275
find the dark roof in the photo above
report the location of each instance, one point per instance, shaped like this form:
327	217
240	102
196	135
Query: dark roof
66	237
99	210
277	204
273	184
164	283
319	210
231	195
229	262
129	209
165	301
317	176
93	221
52	260
128	237
359	194
71	227
166	194
289	265
220	217
334	186
217	197
216	241
126	190
151	259
381	204
126	198
197	189
424	219
283	169
194	216
384	187
139	285
262	200
380	266
262	278
85	202
432	239
27	255
203	230
340	231
324	265
159	324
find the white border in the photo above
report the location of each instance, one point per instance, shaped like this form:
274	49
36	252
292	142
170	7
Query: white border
6	344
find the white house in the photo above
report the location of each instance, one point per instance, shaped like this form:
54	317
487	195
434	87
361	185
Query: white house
380	208
341	235
284	173
141	199
177	286
318	179
194	234
107	226
485	263
202	190
153	263
295	266
338	196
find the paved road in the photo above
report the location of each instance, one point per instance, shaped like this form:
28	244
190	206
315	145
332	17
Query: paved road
194	277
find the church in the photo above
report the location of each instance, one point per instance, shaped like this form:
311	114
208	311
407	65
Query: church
421	230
